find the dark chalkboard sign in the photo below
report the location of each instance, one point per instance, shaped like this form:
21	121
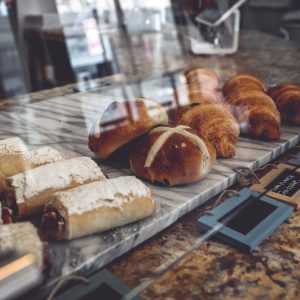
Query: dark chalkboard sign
287	183
248	215
282	183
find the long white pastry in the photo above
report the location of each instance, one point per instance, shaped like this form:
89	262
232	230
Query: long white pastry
96	207
12	156
23	238
42	156
26	193
15	158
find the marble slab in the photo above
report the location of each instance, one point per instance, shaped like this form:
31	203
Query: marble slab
64	122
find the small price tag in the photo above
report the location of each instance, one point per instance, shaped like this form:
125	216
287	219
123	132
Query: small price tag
282	184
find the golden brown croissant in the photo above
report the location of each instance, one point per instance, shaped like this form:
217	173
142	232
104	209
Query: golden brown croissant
243	81
203	86
287	99
254	109
204	78
193	93
172	156
213	122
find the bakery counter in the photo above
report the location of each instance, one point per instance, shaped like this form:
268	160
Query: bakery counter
63	119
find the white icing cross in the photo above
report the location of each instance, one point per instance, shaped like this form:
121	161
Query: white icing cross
168	131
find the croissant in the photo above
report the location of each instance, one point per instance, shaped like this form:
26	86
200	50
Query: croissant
243	81
192	93
213	122
204	78
172	156
287	99
254	109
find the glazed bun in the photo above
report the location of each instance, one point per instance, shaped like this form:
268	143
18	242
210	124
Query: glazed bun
122	122
172	156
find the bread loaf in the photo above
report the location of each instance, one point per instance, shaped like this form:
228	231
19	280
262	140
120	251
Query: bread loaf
125	121
287	99
253	108
97	207
26	193
172	156
213	122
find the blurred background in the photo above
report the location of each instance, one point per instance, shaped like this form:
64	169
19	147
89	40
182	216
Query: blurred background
50	43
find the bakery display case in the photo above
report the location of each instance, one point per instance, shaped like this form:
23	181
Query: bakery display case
145	171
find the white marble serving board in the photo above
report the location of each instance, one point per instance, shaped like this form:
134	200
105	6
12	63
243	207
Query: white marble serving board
64	122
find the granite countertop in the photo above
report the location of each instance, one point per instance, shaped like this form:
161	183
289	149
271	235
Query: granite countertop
214	270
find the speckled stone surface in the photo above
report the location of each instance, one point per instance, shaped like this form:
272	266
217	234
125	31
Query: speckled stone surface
214	270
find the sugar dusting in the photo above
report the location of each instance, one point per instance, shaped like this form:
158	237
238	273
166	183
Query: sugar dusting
12	146
42	156
54	177
104	193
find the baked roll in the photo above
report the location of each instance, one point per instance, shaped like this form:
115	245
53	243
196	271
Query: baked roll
24	238
172	156
42	156
96	207
26	193
256	113
12	156
192	93
204	78
244	81
213	122
287	99
15	158
253	108
122	122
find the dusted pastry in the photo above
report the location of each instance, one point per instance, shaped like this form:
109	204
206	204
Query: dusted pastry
26	193
244	81
287	99
97	207
42	156
24	238
214	122
12	157
15	158
122	122
253	108
172	156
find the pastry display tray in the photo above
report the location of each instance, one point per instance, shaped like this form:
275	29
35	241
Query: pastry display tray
64	122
